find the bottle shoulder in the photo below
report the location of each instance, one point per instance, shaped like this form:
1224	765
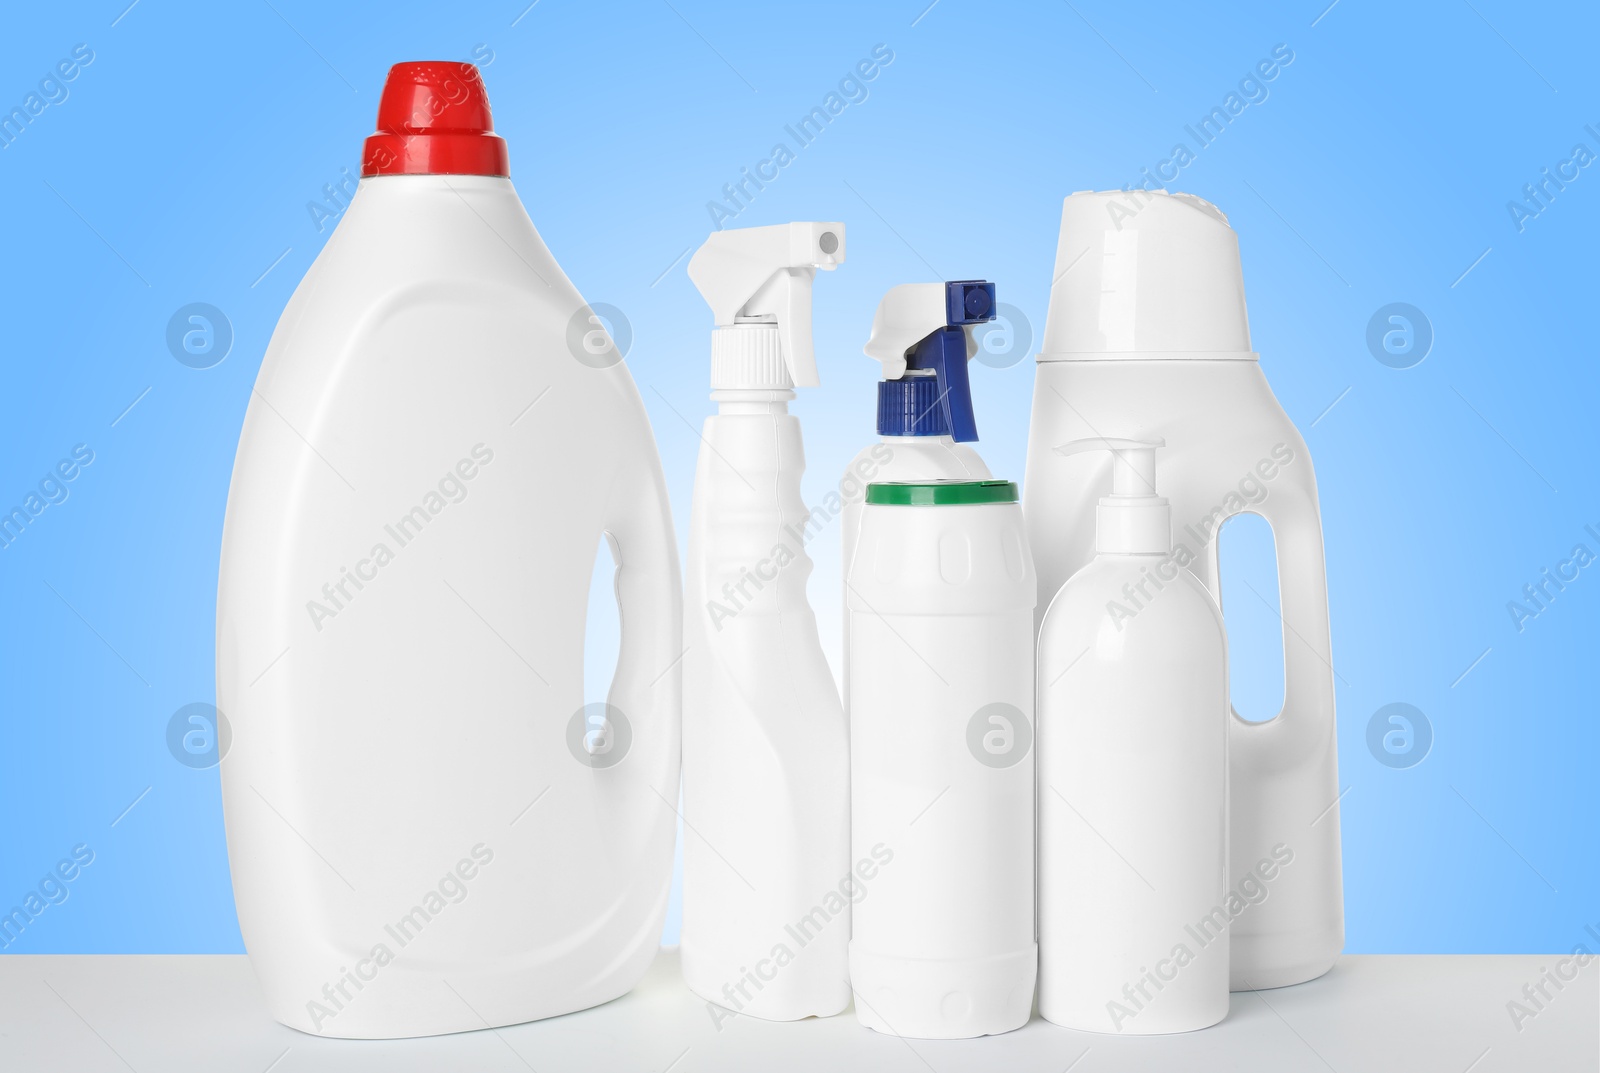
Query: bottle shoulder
1144	594
434	241
444	271
918	458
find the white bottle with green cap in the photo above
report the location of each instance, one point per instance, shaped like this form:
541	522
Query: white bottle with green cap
766	750
1134	908
941	729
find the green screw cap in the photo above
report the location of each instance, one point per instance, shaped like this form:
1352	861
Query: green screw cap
941	493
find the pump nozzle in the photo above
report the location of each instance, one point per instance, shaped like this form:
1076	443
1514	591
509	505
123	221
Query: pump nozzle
1134	471
1133	518
761	277
924	330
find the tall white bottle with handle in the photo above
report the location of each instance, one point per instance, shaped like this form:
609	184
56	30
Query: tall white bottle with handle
1134	912
922	337
427	829
766	772
1147	338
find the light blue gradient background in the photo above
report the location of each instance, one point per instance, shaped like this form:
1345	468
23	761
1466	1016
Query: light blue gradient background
1377	171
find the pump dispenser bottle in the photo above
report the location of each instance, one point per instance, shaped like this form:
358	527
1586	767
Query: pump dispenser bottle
1147	336
922	337
766	796
1134	914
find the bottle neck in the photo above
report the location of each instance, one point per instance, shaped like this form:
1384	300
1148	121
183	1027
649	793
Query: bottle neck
747	401
1133	525
912	407
747	357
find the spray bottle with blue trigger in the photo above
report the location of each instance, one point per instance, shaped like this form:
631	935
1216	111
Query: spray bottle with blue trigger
922	336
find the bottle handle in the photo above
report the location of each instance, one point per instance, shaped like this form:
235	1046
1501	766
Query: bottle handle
1308	694
647	686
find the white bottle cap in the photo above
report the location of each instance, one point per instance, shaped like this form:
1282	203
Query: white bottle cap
1145	274
1131	520
757	281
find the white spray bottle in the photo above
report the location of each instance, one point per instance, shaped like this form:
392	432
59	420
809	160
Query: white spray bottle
766	796
1134	917
922	336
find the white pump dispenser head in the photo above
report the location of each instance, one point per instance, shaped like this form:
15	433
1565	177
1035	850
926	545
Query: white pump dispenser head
757	281
1131	520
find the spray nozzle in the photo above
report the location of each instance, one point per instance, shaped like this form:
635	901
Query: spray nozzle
922	335
760	278
1133	518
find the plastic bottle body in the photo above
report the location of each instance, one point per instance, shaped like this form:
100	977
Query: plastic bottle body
766	748
404	579
1230	449
894	458
1133	768
942	770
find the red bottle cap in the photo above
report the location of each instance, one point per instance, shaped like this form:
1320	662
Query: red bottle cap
434	119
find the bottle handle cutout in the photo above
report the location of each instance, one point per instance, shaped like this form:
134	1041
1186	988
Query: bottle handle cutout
1307	716
646	687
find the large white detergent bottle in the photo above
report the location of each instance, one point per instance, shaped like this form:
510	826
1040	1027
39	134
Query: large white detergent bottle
766	751
1133	777
428	831
1147	339
922	337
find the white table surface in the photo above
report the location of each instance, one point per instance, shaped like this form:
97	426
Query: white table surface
84	1014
